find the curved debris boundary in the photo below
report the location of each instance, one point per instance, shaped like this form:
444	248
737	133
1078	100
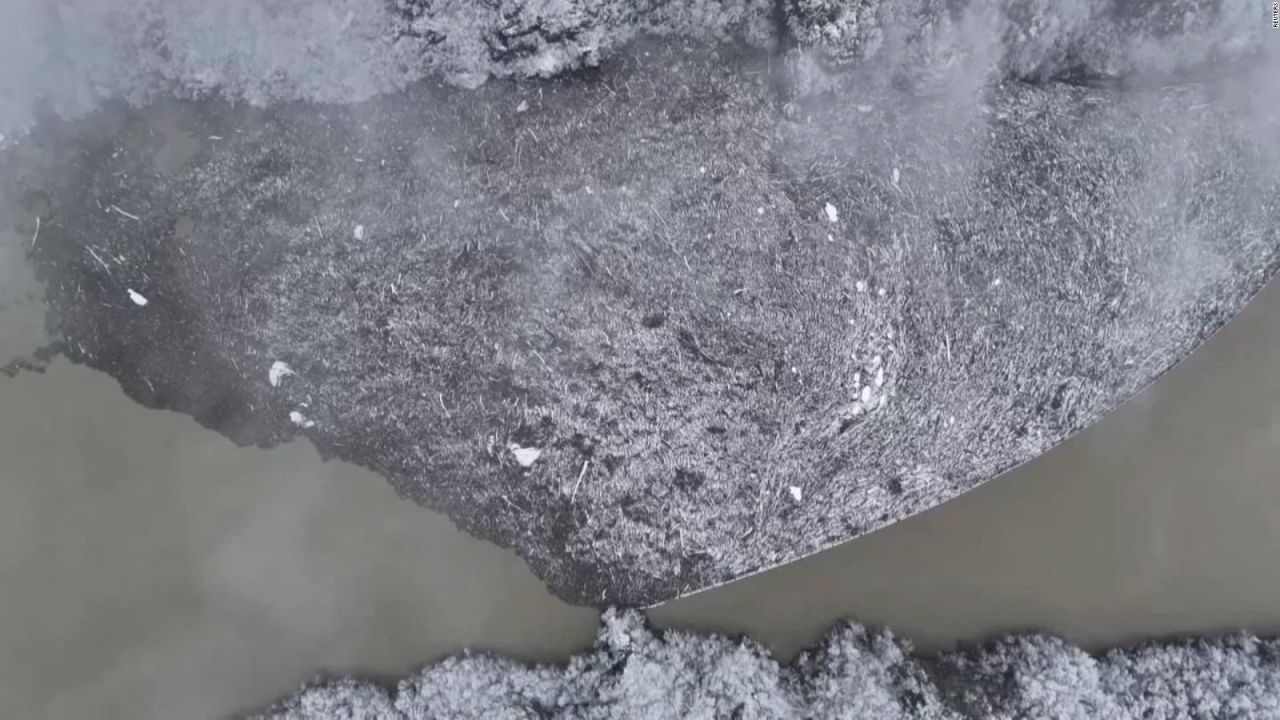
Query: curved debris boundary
650	325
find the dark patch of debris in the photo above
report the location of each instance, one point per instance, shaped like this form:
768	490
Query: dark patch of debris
674	319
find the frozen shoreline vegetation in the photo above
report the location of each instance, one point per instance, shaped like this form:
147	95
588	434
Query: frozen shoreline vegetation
855	673
67	56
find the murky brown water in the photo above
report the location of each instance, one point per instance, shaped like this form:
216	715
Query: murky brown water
150	569
1164	518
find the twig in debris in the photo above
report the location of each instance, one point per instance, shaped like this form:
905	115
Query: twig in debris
101	262
508	501
129	215
36	236
581	475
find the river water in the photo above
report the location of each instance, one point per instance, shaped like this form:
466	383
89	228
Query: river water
151	569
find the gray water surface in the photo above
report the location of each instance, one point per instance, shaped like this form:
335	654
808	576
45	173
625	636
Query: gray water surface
151	569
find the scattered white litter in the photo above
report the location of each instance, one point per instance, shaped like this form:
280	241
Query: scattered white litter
759	211
358	233
882	292
703	170
860	286
996	283
865	397
830	238
833	215
525	456
301	420
796	493
880	377
278	370
896	175
865	108
137	298
523	106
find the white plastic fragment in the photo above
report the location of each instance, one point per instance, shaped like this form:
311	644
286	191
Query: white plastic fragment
358	233
796	493
860	286
896	175
523	106
525	456
866	395
278	370
137	298
833	215
301	420
865	108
